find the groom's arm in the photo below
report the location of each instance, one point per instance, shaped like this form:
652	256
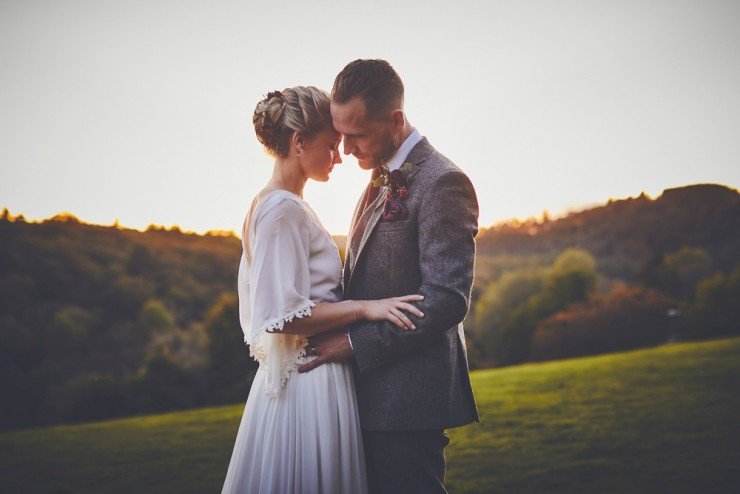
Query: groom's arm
448	224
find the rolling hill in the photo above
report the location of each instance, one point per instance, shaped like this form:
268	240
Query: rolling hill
662	419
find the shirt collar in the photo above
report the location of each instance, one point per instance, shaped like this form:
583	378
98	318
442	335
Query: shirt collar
403	151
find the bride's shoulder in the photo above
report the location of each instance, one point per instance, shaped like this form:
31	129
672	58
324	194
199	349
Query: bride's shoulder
280	205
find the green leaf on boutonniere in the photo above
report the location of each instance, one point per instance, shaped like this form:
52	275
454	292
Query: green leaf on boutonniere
406	167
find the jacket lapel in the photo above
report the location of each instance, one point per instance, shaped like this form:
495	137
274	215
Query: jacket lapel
371	216
349	252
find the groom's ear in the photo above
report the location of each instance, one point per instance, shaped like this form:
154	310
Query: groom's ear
398	119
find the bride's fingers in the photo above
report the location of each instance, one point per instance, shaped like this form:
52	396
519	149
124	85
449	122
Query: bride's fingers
409	298
406	321
410	308
395	320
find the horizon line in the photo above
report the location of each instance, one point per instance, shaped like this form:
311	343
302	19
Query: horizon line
65	215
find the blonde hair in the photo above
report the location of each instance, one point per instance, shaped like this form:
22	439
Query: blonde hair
303	109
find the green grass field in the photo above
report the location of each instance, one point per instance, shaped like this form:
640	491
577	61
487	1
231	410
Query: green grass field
658	420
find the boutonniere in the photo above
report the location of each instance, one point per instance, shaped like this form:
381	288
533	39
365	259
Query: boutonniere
398	183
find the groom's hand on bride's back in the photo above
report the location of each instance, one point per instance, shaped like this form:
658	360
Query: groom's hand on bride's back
334	346
331	346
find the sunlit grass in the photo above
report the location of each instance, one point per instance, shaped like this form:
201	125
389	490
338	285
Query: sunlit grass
656	420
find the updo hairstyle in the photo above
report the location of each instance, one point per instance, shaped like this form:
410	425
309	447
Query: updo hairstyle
302	108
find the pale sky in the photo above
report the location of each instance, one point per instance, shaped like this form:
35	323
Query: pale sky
141	111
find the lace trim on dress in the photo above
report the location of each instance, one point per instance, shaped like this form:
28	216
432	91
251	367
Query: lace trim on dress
258	353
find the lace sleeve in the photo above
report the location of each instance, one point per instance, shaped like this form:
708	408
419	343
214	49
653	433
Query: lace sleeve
274	288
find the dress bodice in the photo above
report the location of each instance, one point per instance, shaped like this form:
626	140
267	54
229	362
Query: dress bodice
289	264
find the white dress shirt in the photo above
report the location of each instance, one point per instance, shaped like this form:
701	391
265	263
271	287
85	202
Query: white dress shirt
403	151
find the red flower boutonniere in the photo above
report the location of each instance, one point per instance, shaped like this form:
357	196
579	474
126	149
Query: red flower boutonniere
398	183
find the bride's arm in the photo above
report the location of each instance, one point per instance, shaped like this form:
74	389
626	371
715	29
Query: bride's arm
330	315
276	292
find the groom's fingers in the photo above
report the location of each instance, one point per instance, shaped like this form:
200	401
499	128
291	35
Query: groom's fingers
312	364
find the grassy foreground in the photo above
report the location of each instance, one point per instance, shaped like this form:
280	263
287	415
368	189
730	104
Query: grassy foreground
659	420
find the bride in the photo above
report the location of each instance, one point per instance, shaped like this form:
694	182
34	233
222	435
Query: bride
300	433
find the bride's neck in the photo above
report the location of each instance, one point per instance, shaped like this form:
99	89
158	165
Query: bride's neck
287	174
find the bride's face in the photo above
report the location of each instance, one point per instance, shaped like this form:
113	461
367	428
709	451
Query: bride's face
370	141
320	154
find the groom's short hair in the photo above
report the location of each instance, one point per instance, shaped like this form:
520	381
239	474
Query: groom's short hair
375	81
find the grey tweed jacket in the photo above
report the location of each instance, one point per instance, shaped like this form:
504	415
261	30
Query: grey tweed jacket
415	379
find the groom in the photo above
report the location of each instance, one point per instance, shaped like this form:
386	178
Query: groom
412	232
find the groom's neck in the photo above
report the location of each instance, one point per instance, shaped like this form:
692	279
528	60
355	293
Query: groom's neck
406	131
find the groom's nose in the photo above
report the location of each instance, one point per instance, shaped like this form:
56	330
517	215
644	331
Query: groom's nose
348	147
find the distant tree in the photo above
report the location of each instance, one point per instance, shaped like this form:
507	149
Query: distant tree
65	217
154	317
495	307
230	369
508	312
686	268
188	348
17	291
141	260
572	277
625	318
20	384
71	328
164	383
716	311
125	295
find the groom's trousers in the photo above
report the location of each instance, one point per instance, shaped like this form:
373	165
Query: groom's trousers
406	462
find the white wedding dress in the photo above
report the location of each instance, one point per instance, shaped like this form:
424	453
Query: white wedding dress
300	433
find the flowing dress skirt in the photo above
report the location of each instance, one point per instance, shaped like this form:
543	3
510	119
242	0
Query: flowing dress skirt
306	440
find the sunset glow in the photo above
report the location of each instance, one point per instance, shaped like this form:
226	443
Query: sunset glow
142	112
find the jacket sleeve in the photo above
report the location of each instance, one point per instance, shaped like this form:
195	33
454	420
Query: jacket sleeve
448	224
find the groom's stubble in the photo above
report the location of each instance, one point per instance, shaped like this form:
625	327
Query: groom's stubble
390	146
390	142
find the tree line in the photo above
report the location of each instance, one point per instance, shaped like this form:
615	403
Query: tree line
104	321
99	321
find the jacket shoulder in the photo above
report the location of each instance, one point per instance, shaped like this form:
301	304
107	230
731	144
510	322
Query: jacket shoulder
437	165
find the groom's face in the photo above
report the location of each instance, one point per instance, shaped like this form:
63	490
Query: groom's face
369	140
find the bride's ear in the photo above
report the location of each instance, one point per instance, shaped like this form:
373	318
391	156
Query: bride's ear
297	142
